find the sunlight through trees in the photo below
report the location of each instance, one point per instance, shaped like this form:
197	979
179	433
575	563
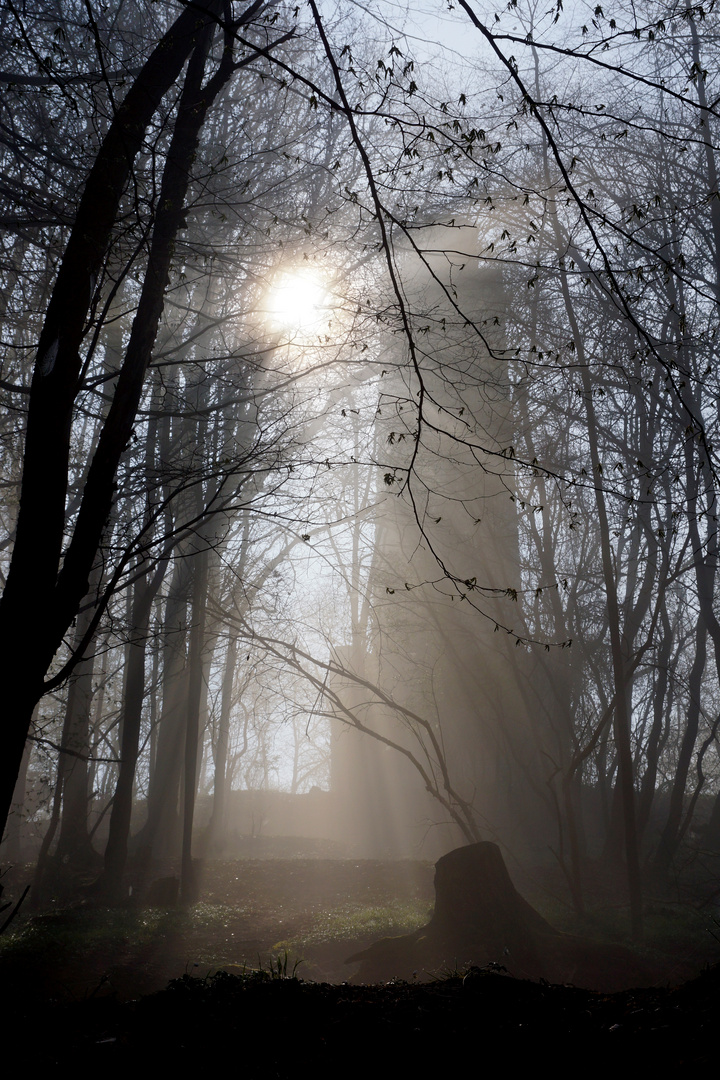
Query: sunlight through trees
360	432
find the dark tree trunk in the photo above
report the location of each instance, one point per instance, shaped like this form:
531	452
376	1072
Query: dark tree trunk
192	724
110	881
36	581
671	833
621	683
74	846
159	835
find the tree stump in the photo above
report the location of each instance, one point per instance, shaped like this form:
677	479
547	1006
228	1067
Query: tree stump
480	919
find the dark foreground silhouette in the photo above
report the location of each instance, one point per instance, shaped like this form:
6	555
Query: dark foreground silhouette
275	1027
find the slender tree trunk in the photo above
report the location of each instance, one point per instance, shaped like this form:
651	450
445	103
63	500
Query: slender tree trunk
217	829
74	845
159	834
652	755
670	837
188	885
705	555
110	881
622	696
623	746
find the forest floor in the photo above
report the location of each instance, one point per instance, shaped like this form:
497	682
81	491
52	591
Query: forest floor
251	913
94	981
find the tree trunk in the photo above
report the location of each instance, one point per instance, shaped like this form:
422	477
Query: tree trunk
217	828
13	839
110	881
36	582
622	720
654	746
74	846
159	835
188	885
671	833
621	727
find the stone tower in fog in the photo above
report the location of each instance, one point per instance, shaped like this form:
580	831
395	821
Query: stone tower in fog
453	535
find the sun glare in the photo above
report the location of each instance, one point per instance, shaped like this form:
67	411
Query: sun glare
297	301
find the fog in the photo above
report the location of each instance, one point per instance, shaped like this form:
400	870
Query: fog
359	446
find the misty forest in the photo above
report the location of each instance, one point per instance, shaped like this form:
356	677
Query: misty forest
359	506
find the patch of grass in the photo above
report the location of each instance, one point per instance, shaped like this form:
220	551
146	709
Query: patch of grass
204	916
69	929
279	968
353	921
87	930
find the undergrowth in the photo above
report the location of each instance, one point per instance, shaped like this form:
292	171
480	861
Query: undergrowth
85	929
